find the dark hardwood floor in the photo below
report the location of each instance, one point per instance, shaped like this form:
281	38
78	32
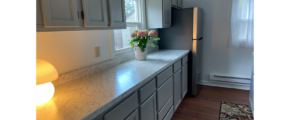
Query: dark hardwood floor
206	105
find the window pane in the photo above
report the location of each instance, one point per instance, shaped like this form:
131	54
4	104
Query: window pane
123	37
131	11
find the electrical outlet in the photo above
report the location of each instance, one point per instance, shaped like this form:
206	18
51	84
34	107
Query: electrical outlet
97	52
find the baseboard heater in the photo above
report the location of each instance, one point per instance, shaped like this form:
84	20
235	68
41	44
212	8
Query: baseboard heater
230	79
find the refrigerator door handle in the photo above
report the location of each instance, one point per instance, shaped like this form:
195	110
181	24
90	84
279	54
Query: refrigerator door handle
198	39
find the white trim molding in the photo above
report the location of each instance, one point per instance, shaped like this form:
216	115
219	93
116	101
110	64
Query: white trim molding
224	85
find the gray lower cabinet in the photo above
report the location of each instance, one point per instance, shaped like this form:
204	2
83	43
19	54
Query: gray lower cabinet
184	80
146	91
148	109
162	113
177	89
134	116
169	114
164	93
156	100
163	76
123	110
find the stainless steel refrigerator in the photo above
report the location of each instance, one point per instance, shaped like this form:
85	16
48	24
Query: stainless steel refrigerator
186	33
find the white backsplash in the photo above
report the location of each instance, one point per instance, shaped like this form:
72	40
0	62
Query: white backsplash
121	58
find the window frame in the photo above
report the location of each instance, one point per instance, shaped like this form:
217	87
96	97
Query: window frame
141	24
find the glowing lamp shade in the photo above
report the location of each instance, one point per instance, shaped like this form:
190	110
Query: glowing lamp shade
45	73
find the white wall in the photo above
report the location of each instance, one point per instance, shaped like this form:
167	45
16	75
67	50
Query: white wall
72	50
218	58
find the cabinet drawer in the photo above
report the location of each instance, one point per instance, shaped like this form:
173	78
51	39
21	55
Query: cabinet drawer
169	114
147	90
134	115
162	77
164	93
165	109
184	59
177	66
124	109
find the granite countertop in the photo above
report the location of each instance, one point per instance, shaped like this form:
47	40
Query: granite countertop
89	96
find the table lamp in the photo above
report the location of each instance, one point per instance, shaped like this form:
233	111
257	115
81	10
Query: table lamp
45	74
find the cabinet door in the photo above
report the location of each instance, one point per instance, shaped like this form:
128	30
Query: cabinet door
134	115
166	14
164	93
124	109
179	3
148	109
174	2
117	13
177	89
60	13
38	13
184	80
95	13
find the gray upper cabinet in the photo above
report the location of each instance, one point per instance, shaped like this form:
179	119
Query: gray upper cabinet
95	13
174	2
59	13
76	15
179	3
117	13
158	13
39	19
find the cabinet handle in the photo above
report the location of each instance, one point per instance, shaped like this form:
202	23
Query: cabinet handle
82	14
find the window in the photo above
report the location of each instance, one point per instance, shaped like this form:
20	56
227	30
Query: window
242	21
133	18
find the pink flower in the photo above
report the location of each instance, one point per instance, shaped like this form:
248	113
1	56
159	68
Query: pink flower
133	34
135	31
141	33
145	31
153	33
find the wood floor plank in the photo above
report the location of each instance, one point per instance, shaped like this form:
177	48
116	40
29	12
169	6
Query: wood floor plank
206	105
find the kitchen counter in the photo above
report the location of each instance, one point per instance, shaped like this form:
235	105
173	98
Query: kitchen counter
90	96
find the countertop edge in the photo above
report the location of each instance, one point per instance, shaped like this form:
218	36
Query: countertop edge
130	91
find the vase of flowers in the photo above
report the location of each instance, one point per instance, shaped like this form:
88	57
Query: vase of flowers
140	40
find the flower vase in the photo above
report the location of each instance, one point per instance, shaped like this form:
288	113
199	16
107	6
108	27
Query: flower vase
139	55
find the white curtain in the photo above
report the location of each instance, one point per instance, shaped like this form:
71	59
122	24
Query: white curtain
242	24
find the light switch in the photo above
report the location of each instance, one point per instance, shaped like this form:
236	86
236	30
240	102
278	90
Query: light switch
97	52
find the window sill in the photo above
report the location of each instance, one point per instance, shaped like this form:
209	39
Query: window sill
123	50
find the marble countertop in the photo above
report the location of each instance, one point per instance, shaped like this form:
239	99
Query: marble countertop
89	96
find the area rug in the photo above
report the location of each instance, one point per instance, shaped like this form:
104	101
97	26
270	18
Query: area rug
233	111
